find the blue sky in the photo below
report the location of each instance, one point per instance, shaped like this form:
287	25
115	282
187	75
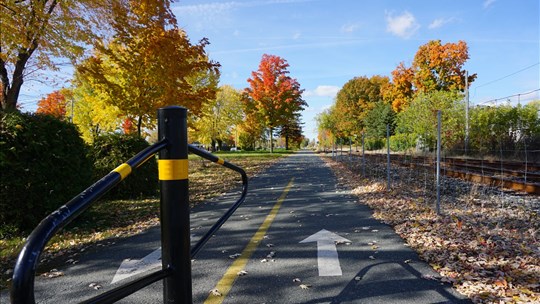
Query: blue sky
328	42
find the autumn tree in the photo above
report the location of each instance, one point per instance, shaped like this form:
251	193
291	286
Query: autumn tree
92	111
219	117
36	33
275	95
354	101
53	104
436	67
149	64
327	127
251	130
439	67
128	127
400	91
292	131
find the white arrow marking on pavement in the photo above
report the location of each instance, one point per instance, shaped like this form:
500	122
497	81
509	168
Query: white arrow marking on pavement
327	255
130	268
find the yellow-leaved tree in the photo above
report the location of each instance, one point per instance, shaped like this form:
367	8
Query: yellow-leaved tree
92	112
35	34
148	64
220	117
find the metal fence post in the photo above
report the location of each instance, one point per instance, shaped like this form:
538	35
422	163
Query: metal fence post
363	157
438	206
388	156
350	149
173	177
333	147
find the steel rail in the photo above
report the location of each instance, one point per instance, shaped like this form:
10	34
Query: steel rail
472	173
211	157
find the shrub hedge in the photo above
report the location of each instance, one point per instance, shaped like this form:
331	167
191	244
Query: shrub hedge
402	142
111	150
43	164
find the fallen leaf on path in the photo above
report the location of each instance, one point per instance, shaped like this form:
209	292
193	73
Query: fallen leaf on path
305	286
215	292
95	286
54	273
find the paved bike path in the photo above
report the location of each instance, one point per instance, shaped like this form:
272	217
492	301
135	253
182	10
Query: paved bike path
375	266
387	273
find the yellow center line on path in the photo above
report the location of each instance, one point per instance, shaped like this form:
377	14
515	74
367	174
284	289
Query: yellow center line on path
225	284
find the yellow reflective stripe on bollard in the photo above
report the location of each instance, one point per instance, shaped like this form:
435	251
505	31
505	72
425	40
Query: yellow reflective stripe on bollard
173	169
220	161
124	170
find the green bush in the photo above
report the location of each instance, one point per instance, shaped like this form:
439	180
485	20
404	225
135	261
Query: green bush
111	150
43	164
402	142
371	144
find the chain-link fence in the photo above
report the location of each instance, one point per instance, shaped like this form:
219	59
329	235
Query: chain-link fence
479	164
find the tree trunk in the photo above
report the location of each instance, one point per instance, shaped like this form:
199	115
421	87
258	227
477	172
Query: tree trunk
286	142
10	94
139	125
213	145
220	144
271	140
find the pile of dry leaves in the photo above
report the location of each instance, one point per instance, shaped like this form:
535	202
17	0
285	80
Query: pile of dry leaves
486	242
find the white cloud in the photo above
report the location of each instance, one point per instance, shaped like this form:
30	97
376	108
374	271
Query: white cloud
350	27
214	14
220	7
323	90
207	7
297	35
437	23
403	25
488	3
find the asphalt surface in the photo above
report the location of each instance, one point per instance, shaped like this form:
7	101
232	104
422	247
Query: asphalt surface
376	266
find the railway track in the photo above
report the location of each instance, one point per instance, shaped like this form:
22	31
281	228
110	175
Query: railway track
519	176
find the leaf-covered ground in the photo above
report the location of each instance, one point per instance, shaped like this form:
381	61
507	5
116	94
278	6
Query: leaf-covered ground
486	242
107	221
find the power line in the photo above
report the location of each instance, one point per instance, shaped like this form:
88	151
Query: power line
504	77
508	97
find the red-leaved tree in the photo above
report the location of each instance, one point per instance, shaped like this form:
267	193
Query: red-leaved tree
128	126
274	94
53	104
